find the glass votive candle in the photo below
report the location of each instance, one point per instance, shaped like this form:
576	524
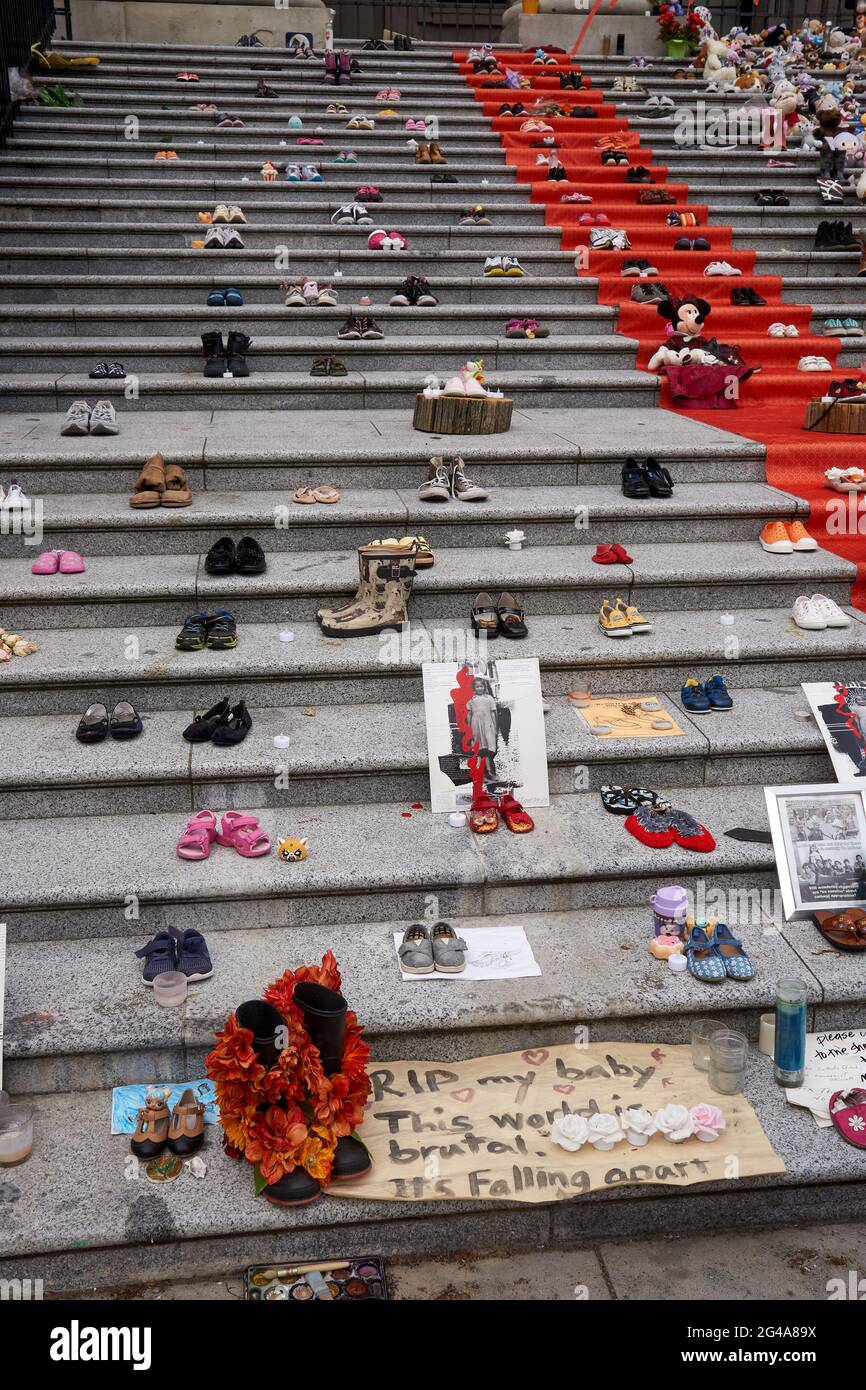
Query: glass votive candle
169	989
16	1134
728	1053
701	1032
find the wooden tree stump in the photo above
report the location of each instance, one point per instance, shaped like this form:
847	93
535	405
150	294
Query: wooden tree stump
842	417
462	414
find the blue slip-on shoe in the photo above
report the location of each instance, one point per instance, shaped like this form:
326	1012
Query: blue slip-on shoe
705	963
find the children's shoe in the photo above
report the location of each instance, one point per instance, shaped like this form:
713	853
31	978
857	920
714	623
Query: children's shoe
807	616
703	959
636	621
690	834
775	538
613	621
159	956
652	828
717	693
830	611
736	961
694	697
799	537
193	957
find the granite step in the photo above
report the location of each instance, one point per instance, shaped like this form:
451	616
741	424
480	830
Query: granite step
70	669
109	260
353	755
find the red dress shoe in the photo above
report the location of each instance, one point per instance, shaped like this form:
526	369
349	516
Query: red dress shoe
513	814
483	814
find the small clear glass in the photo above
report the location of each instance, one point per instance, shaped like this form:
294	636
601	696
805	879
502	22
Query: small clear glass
170	989
701	1032
728	1054
16	1134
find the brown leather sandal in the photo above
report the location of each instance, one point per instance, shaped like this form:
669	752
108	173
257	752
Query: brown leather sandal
186	1131
150	486
151	1131
845	930
177	491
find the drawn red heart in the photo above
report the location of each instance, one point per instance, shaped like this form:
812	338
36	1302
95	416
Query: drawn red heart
407	815
564	1090
465	1095
417	806
535	1057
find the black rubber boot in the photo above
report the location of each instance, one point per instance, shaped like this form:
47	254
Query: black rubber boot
325	1020
265	1023
237	347
296	1189
215	353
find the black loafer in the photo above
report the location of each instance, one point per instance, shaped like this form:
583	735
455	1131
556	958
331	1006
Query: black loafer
249	557
93	725
659	479
202	727
125	721
221	557
234	727
634	480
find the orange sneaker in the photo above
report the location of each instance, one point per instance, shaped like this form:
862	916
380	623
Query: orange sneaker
775	538
799	536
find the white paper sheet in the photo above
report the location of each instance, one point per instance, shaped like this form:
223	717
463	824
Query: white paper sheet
834	1062
495	953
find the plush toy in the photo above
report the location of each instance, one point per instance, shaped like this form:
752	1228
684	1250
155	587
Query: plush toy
291	851
717	67
665	356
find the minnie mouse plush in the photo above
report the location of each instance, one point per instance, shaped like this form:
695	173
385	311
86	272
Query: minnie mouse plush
700	371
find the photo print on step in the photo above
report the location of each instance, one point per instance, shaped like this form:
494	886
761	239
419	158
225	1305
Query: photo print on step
839	708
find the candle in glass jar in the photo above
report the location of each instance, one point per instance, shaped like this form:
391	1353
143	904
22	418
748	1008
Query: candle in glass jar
789	1051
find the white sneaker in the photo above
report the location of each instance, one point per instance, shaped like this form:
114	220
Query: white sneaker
806	614
814	364
830	611
721	268
15	498
493	265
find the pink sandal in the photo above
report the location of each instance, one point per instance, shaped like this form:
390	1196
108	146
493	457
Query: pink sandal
70	562
244	834
851	1120
46	563
197	838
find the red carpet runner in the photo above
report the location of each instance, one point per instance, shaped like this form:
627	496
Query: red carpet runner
772	405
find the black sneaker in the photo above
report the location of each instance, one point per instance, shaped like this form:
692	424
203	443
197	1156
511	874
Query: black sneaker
423	294
193	957
351	328
444	178
159	956
639	174
404	297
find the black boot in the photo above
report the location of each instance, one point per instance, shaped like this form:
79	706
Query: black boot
296	1189
237	347
325	1020
266	1024
215	353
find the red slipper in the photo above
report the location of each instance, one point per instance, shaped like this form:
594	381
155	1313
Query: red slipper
689	833
483	814
514	815
650	827
851	1121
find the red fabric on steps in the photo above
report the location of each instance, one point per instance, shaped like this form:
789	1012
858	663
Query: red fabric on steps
773	402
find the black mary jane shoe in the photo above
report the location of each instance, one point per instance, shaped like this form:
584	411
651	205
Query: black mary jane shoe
634	480
125	721
296	1189
234	727
93	725
249	557
220	559
661	484
510	616
351	1160
202	727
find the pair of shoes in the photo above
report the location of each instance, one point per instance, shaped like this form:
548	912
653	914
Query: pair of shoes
502	265
329	366
386	575
444	178
229	357
650	294
300	295
818	612
642	268
721	268
782	537
303	173
485	813
238	830
224	118
223	238
95	723
308	496
170	951
746	298
714	953
221	724
836	236
651	196
352	215
525	328
224	557
356	327
850	389
368	193
347	157
702	697
227	212
684	243
661	829
376	44
772	198
648	479
611	554
474	217
58	562
843	328
218	631
846	479
165	154
515	109
831	191
360	123
445	481
81	419
333	108
418	546
681	219
262	88
380	240
414	293
783	330
620	619
161	485
609	239
639	174
502	617
181	1130
811	363
108	371
621	800
429	154
614	157
225	299
249	41
439	949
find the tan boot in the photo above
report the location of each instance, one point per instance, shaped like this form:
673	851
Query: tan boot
422	154
387	576
436	155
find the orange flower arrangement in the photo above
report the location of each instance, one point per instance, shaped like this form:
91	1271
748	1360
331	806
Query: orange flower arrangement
289	1115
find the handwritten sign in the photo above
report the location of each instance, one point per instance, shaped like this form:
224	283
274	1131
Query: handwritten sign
834	1061
481	1128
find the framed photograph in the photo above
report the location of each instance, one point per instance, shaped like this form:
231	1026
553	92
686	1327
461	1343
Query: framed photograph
819	839
485	721
839	708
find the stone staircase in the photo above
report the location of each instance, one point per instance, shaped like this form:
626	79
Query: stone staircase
96	262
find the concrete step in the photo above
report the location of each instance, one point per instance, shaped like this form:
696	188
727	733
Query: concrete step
154	590
323	265
354	755
67	671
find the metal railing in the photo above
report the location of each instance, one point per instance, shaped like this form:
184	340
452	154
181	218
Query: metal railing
449	21
727	13
22	24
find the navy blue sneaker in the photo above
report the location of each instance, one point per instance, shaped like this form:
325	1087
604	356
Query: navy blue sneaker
193	959
694	697
159	955
717	694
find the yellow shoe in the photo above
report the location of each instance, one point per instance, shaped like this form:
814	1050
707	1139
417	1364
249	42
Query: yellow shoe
636	622
612	622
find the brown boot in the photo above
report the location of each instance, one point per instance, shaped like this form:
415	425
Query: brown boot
151	1131
387	575
436	155
422	154
150	486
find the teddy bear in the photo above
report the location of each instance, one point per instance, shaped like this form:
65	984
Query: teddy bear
717	67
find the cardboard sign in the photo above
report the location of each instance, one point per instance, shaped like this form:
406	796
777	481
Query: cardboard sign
636	716
480	1129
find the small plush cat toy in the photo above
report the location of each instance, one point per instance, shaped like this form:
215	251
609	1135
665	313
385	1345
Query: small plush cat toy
291	851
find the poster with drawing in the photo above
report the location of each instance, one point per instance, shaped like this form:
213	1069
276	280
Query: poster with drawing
485	722
819	839
839	708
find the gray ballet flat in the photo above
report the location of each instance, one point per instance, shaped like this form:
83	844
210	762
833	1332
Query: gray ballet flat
416	951
449	950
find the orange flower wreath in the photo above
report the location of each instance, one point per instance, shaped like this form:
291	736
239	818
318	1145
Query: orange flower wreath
289	1115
